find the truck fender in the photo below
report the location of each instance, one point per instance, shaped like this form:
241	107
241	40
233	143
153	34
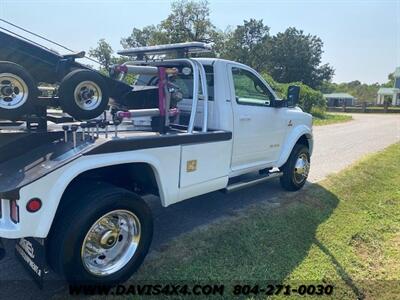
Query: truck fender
292	139
61	178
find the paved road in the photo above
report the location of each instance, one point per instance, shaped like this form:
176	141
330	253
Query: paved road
336	147
340	145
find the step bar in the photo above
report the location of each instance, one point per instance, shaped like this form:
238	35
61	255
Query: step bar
243	184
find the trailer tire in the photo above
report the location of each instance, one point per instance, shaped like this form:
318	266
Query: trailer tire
18	91
295	170
83	94
101	236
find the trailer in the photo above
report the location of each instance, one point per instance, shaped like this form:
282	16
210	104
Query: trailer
79	90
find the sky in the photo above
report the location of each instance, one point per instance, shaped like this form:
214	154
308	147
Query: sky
361	37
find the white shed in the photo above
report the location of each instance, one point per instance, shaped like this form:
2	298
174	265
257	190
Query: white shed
391	94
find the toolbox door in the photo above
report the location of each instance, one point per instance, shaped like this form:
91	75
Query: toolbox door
203	163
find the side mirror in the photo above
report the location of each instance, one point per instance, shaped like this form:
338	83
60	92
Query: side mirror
293	95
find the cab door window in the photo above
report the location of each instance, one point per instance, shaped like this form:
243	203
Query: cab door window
249	89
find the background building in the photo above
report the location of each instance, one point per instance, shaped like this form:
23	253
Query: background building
337	99
392	95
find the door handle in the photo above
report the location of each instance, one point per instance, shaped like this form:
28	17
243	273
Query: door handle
244	118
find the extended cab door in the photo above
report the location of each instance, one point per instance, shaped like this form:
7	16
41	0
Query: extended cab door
259	128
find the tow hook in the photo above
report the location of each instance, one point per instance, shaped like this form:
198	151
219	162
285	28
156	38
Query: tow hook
2	250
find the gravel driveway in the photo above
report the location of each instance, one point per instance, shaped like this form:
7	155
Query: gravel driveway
336	147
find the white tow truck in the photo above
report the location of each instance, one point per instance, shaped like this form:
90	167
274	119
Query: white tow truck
198	125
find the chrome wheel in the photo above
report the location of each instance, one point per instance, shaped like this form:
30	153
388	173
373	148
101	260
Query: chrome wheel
13	91
111	242
301	168
87	95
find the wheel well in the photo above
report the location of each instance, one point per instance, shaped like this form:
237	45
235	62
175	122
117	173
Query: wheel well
136	177
303	140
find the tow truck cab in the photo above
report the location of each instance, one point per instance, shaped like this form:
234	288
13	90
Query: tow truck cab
242	102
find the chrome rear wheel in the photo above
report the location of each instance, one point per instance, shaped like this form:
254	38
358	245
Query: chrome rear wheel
103	238
111	242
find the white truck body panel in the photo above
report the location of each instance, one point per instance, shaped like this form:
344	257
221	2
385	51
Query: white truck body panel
212	175
211	162
262	137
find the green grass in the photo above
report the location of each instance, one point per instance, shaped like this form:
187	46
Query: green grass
344	231
331	119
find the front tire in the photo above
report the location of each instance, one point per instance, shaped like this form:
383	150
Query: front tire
102	235
83	94
296	169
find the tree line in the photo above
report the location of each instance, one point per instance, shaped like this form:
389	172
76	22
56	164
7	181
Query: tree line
362	91
289	56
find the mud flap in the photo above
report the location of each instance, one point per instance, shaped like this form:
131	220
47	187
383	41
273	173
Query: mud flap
31	252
